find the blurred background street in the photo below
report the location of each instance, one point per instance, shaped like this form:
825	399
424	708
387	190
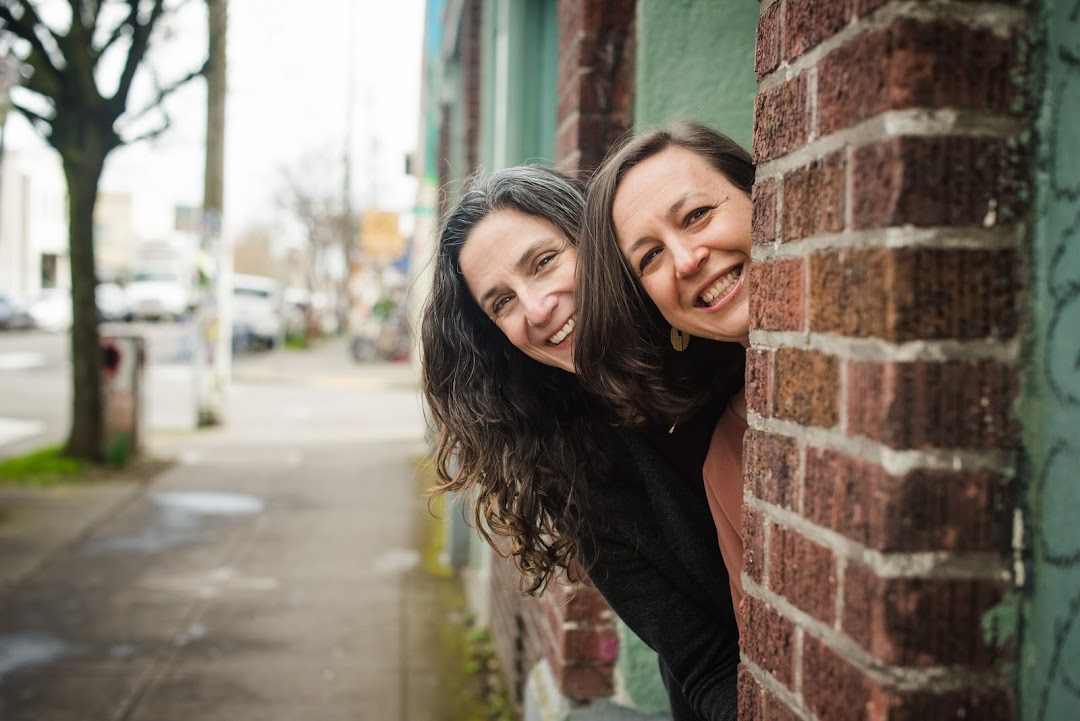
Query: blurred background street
281	568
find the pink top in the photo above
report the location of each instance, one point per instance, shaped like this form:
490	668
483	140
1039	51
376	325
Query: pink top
723	476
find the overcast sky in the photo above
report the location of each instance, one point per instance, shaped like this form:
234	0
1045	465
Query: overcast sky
289	87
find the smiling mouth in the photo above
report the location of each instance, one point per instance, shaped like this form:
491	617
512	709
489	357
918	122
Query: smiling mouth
720	288
563	332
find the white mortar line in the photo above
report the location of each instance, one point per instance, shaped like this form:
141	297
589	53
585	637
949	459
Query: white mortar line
921	122
878	350
898	237
951	565
903	678
1002	20
769	683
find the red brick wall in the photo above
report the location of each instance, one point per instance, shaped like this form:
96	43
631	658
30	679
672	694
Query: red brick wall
596	79
570	625
887	262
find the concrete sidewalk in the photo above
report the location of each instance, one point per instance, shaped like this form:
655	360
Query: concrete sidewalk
282	568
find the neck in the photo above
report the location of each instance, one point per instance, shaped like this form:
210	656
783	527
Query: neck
738	403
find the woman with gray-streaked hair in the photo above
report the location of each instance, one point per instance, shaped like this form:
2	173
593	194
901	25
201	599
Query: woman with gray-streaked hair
542	461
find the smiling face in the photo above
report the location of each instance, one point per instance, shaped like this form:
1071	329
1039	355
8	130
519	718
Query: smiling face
685	230
520	269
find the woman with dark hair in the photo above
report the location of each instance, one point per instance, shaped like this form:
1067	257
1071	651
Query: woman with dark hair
663	267
542	461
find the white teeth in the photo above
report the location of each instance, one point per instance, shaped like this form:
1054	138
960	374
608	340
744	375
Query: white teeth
563	332
722	286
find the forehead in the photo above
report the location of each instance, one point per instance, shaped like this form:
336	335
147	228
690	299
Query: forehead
651	187
490	255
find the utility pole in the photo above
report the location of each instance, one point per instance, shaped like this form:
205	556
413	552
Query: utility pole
213	359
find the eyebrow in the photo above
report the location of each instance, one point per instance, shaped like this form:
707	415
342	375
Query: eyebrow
673	210
523	261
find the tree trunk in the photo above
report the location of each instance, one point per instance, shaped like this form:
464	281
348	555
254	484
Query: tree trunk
82	168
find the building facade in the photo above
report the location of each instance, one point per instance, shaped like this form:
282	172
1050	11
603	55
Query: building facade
909	479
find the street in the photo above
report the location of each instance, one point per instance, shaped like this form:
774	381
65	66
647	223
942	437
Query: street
275	571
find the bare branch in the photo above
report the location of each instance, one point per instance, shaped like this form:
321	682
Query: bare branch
36	119
140	41
118	32
25	28
151	134
164	93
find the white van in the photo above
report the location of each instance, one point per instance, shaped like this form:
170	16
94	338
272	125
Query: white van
256	312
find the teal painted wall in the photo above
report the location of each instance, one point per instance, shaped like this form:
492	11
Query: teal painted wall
1049	670
695	60
640	674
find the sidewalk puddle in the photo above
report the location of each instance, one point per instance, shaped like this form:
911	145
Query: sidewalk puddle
26	650
177	521
211	504
398	560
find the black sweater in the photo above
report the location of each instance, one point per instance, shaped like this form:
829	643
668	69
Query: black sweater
658	564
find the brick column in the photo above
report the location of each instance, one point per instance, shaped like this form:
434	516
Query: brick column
596	80
888	269
570	626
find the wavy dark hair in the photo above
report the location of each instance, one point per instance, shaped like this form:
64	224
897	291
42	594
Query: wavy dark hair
519	436
622	351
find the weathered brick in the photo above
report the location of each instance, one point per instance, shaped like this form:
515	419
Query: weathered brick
993	703
807	387
814	198
922	510
937	181
763	197
767	45
774	709
753	536
586	681
915	64
768	639
832	687
902	294
749	696
781	119
759	381
803	572
930	404
771	465
783	307
921	622
808	22
837	690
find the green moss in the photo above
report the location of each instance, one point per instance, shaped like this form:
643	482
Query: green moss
43	467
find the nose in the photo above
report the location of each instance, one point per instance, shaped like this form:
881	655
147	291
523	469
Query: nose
688	258
538	308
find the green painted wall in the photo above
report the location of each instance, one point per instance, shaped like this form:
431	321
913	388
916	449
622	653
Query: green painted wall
639	672
695	60
1049	669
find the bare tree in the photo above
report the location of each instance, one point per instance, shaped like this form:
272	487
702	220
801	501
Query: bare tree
67	105
328	221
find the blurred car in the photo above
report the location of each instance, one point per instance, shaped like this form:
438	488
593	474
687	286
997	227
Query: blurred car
13	314
257	312
51	310
156	295
111	302
296	304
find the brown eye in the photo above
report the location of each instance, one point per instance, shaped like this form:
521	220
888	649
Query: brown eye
648	258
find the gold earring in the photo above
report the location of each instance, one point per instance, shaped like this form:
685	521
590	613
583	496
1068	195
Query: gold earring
679	339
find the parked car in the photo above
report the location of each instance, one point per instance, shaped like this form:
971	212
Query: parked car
157	295
51	310
257	312
111	302
13	314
